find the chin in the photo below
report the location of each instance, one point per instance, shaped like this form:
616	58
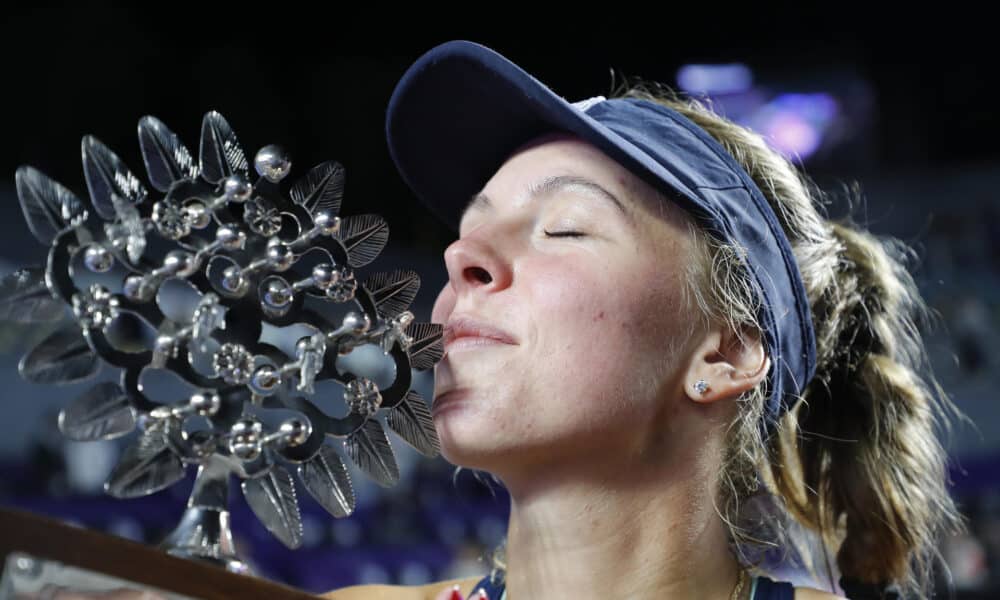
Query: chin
476	461
502	461
465	447
462	446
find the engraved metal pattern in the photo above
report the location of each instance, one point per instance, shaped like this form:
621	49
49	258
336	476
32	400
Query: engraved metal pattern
235	244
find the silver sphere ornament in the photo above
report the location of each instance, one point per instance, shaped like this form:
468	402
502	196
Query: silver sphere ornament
197	215
272	163
246	427
233	279
231	237
134	288
265	380
279	256
180	263
205	404
98	259
324	275
327	222
295	431
277	293
245	439
236	189
244	450
356	322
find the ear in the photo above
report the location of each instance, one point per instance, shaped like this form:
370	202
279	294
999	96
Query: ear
728	365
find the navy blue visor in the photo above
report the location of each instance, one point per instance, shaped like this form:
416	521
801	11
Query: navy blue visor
461	109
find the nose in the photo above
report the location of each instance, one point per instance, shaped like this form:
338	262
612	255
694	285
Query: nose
475	265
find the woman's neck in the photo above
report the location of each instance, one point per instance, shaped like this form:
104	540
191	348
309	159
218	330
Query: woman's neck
622	531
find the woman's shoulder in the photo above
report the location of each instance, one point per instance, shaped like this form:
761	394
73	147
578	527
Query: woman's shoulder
402	592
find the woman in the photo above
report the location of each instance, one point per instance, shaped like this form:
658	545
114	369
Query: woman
650	331
663	350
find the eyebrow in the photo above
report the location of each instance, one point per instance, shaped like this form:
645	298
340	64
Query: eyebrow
548	186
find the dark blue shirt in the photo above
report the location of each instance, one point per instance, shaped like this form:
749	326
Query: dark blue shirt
762	587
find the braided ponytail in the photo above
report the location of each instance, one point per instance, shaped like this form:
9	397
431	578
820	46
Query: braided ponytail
864	435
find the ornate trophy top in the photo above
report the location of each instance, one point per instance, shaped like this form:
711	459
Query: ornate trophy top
244	290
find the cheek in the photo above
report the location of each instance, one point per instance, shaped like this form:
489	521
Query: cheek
606	332
584	322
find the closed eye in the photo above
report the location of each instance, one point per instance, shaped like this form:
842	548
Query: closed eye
564	233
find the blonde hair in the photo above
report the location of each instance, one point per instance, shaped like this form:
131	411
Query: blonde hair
857	460
856	463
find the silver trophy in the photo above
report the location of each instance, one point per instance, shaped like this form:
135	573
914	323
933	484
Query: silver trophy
203	283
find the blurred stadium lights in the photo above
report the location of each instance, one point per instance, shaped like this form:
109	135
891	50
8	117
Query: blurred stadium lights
715	79
796	124
813	114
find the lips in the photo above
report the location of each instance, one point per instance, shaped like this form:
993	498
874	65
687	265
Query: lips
444	399
465	332
472	331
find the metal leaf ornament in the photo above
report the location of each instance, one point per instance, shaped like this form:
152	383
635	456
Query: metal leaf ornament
411	419
101	413
24	298
326	478
369	448
193	275
48	207
272	499
148	465
62	357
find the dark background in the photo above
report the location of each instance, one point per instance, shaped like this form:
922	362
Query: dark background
317	78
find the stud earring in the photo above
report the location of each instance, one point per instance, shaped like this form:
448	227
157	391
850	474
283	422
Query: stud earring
701	385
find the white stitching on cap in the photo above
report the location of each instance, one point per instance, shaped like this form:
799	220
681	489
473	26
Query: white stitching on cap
584	105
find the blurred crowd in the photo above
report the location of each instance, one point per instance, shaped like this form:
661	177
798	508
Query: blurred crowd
436	523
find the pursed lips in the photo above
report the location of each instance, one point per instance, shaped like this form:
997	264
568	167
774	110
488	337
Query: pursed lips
458	328
475	332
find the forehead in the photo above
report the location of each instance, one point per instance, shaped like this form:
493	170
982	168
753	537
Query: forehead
560	153
564	149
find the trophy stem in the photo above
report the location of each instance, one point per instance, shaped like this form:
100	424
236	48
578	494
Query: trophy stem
204	532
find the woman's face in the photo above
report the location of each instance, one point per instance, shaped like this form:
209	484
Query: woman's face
562	303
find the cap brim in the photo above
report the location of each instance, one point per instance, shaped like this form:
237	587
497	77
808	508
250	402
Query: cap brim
460	111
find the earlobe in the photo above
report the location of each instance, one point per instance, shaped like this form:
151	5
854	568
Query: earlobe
724	366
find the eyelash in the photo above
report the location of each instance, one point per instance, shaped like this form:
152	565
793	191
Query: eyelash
563	233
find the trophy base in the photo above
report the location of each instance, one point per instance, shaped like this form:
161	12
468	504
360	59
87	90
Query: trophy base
204	534
230	563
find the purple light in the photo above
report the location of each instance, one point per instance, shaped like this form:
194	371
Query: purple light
715	79
795	124
792	135
818	108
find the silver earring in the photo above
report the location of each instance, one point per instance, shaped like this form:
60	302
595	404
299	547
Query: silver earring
701	385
